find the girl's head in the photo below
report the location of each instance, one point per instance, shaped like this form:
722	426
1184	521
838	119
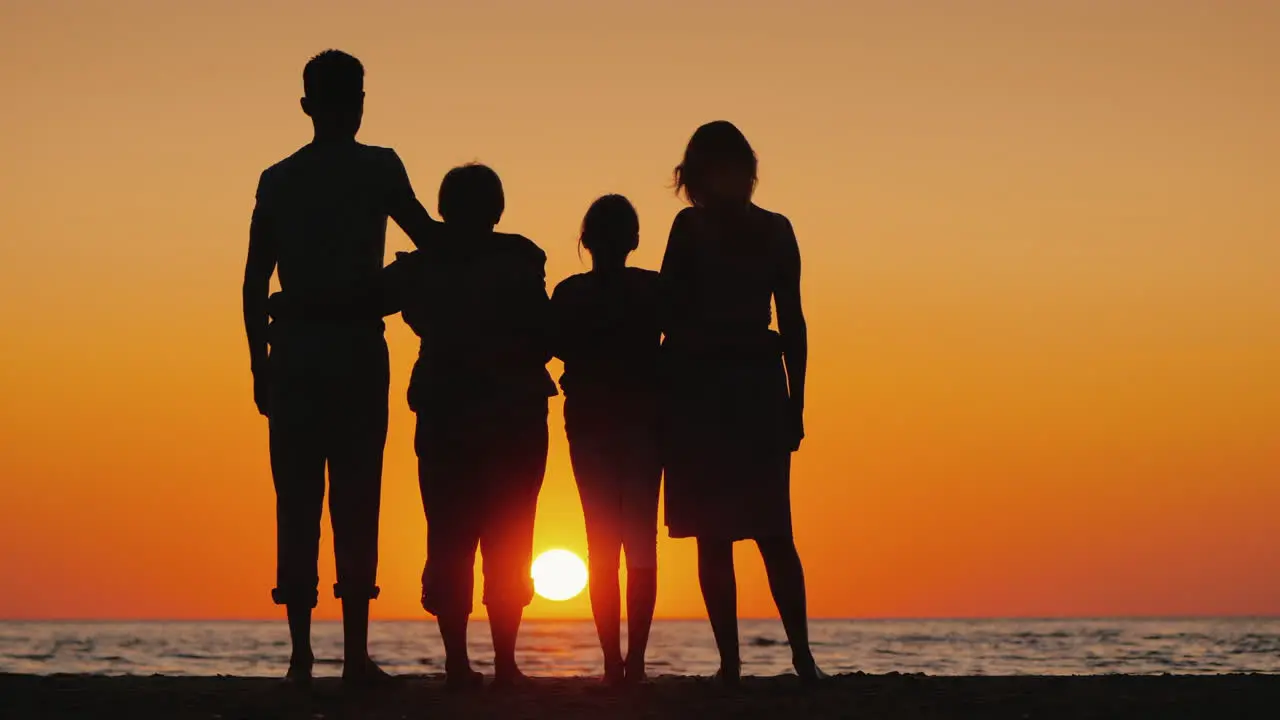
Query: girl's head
719	167
610	231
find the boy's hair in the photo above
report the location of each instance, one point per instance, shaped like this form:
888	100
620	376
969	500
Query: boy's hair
471	195
611	228
333	76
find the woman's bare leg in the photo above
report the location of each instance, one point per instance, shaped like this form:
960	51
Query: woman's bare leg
720	593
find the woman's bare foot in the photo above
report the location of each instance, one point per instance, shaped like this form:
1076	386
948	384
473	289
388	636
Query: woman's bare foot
729	675
808	671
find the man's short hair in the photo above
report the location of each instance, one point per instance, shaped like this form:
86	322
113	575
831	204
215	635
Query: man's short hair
471	194
333	75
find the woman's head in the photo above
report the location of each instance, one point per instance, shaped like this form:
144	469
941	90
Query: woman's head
471	195
610	230
719	166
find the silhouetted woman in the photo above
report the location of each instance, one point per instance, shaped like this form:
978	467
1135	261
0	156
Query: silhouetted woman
607	333
735	388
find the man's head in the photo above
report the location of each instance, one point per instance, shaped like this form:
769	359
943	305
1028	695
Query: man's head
333	86
471	195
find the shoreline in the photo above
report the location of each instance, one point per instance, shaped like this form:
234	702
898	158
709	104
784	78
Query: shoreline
60	697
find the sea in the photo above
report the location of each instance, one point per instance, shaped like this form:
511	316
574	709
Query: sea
677	647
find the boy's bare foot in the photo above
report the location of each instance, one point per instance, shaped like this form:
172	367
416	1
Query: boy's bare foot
365	674
509	679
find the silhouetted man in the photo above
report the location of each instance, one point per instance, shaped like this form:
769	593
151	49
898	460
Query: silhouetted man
320	220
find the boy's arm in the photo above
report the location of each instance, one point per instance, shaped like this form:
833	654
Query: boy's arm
259	265
403	207
531	307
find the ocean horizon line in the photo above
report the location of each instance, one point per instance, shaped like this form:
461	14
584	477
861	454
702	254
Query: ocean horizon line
587	618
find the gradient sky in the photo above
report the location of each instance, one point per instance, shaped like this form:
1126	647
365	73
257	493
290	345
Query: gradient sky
1042	273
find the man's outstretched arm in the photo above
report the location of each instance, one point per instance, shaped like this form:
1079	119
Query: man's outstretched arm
258	267
414	220
403	207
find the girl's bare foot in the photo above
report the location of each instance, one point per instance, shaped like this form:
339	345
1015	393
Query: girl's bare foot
615	674
635	672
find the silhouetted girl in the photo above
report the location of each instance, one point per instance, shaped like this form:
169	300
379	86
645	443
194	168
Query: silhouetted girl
608	337
736	388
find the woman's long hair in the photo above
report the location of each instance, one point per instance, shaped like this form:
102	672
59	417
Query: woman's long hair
719	166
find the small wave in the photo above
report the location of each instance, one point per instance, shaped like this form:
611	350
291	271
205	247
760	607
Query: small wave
193	656
765	642
328	661
41	657
920	639
113	659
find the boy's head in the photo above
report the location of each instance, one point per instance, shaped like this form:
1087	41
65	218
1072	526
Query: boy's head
333	87
471	195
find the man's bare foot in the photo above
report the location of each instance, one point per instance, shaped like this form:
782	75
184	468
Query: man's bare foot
808	671
299	673
365	673
461	680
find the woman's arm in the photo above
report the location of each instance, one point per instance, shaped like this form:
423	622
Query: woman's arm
791	324
675	278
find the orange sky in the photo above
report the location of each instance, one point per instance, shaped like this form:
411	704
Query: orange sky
1042	277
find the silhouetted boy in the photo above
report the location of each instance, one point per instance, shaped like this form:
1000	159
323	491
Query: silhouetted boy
320	220
480	391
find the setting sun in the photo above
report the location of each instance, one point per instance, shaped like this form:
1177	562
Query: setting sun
559	575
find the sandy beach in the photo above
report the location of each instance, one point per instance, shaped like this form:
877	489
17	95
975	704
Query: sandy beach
847	696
